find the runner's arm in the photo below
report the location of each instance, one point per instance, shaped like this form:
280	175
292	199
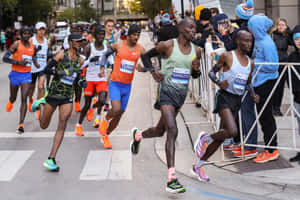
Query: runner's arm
213	72
6	58
249	85
50	68
140	66
196	64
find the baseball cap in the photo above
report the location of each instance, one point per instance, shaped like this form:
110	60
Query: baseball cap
75	37
40	25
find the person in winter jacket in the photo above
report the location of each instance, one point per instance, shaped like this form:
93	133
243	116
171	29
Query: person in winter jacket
265	51
294	57
282	39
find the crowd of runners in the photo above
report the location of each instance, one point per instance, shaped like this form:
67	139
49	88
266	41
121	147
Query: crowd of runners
101	63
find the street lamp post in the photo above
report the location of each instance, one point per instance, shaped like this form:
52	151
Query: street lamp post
182	9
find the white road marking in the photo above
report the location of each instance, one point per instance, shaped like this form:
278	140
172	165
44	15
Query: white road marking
11	162
103	165
91	134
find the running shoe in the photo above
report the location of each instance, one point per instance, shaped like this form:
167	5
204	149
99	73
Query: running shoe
90	115
266	156
106	107
199	173
236	148
200	144
247	153
9	106
103	126
20	129
36	104
96	123
51	165
174	186
78	130
105	141
77	106
30	104
134	145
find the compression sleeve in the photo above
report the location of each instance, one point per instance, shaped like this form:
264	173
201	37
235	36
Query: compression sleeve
213	74
49	68
146	59
7	59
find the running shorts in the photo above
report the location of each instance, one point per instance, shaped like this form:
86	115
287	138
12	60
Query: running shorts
225	100
98	85
119	91
52	101
36	75
18	78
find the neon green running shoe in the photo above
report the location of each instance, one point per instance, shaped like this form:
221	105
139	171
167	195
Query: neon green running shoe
51	165
174	186
36	104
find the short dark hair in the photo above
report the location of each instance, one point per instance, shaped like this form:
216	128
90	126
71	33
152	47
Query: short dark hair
215	10
109	20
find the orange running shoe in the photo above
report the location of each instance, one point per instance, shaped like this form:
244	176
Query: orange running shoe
90	115
247	153
266	156
236	149
38	112
9	106
77	106
105	141
78	129
103	126
30	104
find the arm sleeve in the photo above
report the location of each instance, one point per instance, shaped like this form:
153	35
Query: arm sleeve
7	59
49	68
146	59
213	74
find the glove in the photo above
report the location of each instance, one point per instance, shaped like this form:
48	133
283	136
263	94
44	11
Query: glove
94	59
66	72
82	83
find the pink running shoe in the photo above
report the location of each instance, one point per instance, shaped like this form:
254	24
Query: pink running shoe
199	173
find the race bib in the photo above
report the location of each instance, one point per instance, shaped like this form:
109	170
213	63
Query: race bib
181	75
127	66
41	59
28	59
68	80
240	81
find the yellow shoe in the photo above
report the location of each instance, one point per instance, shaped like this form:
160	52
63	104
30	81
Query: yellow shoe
96	123
106	142
103	126
78	130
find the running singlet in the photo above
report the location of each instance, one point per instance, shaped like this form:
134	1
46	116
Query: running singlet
62	87
93	70
41	55
111	58
23	53
237	76
125	63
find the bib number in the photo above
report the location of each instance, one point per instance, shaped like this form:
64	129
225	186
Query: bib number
181	76
240	82
28	59
127	66
68	80
42	60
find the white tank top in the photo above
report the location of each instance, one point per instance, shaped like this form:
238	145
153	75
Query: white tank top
237	76
93	68
41	55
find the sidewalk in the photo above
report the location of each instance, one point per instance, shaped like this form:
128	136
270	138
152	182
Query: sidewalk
278	179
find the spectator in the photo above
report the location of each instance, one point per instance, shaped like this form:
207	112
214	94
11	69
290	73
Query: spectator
198	10
214	12
265	52
294	57
282	39
168	30
2	40
203	28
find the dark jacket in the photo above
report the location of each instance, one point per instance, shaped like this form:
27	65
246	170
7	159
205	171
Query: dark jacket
166	32
205	31
282	43
294	57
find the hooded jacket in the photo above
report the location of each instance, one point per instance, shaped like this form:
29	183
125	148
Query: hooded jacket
264	51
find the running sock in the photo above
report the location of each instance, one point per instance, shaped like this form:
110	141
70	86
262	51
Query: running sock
199	164
138	136
98	116
171	174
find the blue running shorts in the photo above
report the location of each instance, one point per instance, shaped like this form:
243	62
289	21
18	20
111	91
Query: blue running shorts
119	91
18	78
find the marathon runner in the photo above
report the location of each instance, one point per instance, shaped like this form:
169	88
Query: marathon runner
22	52
237	70
180	60
127	54
95	76
65	66
41	48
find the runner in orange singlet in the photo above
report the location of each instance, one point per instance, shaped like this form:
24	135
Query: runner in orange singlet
127	54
